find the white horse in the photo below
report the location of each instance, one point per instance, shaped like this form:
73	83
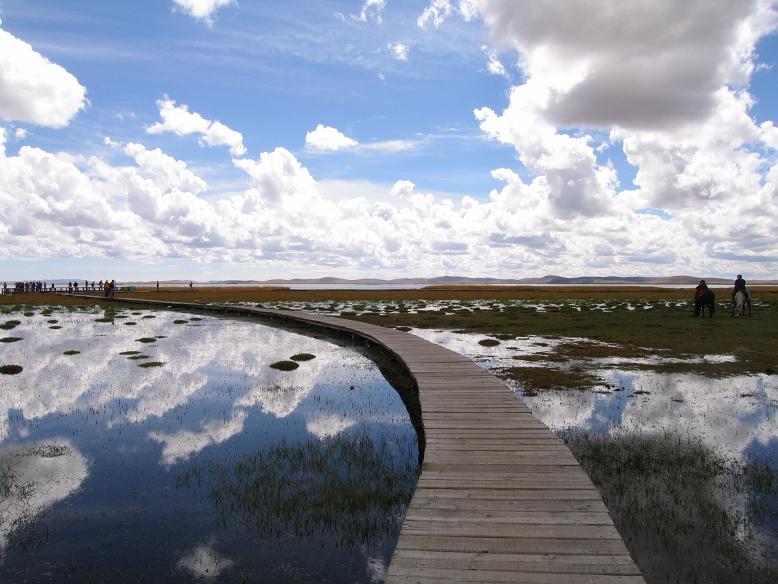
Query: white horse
739	304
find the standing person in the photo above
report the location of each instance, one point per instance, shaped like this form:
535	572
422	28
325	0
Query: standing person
70	287
190	283
157	285
106	288
113	287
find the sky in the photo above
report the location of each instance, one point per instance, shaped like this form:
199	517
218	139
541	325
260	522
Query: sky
248	139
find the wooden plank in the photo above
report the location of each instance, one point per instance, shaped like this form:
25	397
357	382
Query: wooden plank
517	544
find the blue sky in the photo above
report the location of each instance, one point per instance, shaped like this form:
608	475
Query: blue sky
555	162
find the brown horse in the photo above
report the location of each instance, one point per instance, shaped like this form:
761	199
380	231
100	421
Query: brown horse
706	299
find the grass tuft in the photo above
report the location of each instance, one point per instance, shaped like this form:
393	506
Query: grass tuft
10	369
302	357
71	352
10	339
284	365
150	363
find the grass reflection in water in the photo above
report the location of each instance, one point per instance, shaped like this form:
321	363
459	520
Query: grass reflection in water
346	487
681	493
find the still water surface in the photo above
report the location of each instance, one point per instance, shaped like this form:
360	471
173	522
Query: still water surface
210	467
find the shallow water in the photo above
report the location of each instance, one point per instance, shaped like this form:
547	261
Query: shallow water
114	472
735	416
416	306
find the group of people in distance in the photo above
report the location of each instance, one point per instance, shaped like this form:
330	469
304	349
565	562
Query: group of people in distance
107	287
26	287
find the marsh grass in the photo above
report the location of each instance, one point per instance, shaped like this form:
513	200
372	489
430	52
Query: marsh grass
671	499
534	379
302	357
137	357
55	327
150	363
284	365
130	353
10	324
180	321
346	487
661	330
488	342
10	339
146	340
11	369
71	352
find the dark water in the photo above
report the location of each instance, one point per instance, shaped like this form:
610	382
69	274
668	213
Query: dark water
211	467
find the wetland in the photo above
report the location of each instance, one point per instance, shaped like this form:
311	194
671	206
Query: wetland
173	451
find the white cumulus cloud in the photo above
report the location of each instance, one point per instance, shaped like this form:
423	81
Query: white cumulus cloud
180	121
436	13
35	90
328	139
201	9
399	51
371	10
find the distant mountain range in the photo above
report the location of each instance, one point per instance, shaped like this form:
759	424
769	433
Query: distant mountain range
461	280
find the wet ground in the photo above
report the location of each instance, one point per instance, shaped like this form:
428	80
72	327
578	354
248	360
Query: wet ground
677	456
206	465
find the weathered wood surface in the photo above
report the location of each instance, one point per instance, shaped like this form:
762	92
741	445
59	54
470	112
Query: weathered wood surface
499	498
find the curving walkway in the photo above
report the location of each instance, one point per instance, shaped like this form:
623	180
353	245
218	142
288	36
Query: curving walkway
499	498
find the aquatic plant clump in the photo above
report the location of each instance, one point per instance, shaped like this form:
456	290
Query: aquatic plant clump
346	487
302	357
11	369
10	324
284	365
129	353
180	321
10	339
71	352
149	363
146	340
488	342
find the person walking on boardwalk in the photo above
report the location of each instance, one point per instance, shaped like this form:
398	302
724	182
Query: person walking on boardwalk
113	287
70	287
106	288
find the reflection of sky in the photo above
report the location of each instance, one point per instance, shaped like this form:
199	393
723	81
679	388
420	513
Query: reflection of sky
732	414
61	475
214	399
735	416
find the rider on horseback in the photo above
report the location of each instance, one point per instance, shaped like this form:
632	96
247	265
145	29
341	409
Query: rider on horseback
740	286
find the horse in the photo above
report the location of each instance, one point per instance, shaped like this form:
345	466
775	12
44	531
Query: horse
707	298
739	302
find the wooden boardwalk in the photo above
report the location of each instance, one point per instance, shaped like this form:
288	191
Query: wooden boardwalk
500	498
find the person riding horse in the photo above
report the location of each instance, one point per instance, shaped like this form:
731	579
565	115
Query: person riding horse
704	296
738	306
